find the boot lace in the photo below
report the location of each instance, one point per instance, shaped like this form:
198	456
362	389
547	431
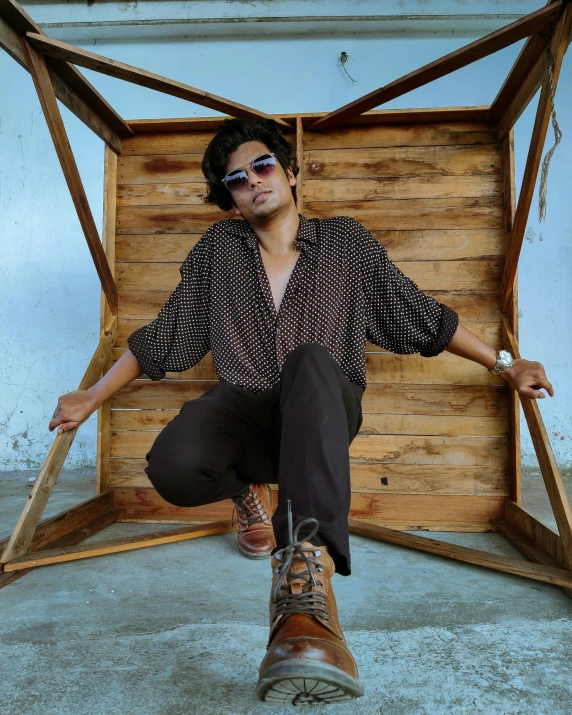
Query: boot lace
250	506
309	603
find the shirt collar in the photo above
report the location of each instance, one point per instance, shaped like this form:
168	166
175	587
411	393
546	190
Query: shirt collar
307	232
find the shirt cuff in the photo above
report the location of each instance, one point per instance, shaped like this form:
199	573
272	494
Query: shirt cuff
448	328
138	346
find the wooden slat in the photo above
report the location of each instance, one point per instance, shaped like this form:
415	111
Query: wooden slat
422	244
488	332
483	47
191	141
90	60
558	48
410	511
472	306
411	187
395	161
548	574
471	275
527	546
372	478
73	89
23	533
161	168
475	400
386	367
58	133
406	214
394	135
423	187
446	425
380	449
374	118
114	546
547	462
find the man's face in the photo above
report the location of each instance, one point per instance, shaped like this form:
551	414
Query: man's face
262	198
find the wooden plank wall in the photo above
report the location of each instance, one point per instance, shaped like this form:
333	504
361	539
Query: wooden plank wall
433	449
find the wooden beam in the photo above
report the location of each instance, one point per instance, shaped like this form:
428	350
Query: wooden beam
114	546
557	48
67	528
108	243
548	574
521	84
120	70
545	537
300	162
466	55
57	129
527	546
56	527
23	535
546	460
71	87
514	465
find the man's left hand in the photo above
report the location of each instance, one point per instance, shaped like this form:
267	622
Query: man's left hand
527	377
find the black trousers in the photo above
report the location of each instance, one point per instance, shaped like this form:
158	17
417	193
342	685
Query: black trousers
296	434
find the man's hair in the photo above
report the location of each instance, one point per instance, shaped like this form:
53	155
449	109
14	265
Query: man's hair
231	134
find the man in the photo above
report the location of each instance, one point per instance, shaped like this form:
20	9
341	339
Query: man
285	304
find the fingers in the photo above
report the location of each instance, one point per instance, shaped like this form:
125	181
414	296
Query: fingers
67	426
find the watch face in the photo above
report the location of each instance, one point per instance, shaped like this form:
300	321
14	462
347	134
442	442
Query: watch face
505	355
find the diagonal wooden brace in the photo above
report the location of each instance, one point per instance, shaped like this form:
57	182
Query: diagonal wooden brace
485	46
558	48
47	97
23	534
548	466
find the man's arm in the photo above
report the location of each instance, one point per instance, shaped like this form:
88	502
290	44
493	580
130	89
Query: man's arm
75	407
524	376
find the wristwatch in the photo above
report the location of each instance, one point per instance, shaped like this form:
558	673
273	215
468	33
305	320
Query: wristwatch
504	361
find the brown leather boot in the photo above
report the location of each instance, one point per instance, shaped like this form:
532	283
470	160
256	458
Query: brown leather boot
307	659
255	533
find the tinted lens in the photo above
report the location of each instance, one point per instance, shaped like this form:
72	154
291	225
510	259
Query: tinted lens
264	165
236	181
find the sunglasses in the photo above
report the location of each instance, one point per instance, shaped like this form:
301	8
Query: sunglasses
263	166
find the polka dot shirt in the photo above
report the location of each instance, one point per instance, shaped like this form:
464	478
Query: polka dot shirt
342	291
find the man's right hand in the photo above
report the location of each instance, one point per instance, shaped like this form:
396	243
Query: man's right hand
73	409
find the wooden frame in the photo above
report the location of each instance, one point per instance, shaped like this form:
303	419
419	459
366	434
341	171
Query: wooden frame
34	543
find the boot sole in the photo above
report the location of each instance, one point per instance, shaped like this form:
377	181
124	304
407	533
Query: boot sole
306	682
250	555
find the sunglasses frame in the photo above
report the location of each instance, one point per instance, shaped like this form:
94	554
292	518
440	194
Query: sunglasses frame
249	164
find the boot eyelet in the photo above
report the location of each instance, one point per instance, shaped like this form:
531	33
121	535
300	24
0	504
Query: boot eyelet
320	568
277	569
278	556
317	552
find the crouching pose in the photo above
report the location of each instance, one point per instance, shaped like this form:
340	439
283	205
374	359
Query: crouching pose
286	305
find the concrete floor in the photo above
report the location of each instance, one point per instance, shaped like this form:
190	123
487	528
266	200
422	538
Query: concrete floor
182	628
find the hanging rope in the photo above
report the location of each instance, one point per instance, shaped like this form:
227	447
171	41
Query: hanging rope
557	136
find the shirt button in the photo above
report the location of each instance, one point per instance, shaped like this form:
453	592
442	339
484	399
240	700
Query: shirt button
277	331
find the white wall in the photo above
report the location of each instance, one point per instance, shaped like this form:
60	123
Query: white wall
49	291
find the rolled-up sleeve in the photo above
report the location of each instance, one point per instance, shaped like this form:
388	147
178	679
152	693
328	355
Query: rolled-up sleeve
400	317
179	337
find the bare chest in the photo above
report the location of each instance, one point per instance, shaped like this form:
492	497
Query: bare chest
278	270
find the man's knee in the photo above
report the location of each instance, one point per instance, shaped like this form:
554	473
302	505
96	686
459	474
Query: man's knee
182	475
